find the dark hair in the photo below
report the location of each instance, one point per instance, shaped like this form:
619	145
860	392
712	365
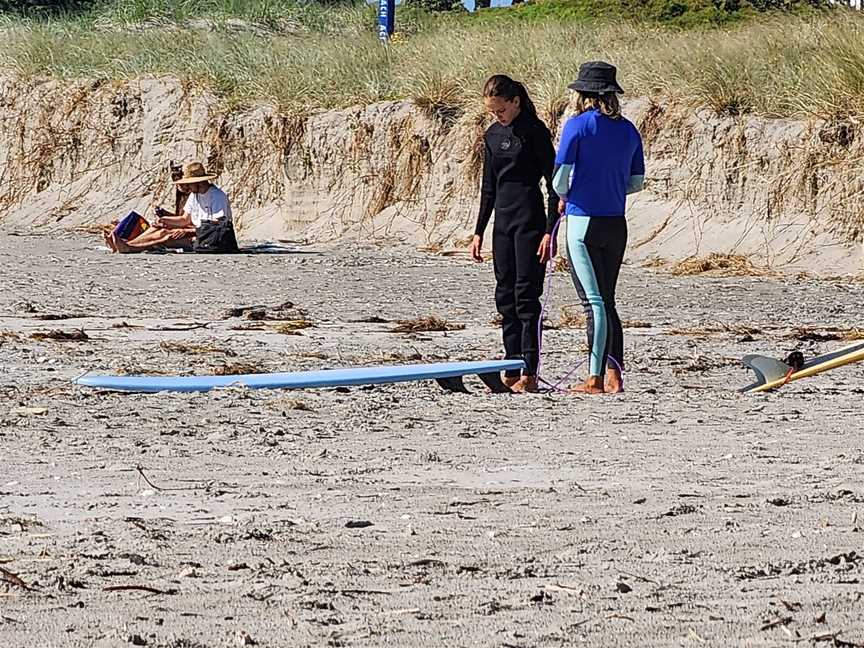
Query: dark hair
501	85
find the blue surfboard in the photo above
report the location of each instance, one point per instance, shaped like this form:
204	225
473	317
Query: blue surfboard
448	374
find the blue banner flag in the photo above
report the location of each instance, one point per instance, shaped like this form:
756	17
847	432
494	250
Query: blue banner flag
386	15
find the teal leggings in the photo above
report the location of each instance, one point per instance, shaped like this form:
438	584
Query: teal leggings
595	245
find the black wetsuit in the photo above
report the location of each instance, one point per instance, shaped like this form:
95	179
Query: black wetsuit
516	158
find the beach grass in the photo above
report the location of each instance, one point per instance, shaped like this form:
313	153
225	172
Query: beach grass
313	55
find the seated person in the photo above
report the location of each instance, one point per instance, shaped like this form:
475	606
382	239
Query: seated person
204	224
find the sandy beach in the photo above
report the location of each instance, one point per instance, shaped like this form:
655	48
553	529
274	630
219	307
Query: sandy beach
678	514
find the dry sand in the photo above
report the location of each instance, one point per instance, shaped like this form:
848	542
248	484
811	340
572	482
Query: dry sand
681	513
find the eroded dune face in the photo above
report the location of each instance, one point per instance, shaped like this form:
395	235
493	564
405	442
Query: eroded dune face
785	192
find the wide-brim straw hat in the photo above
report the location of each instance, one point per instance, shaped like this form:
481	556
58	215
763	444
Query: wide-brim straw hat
194	172
597	77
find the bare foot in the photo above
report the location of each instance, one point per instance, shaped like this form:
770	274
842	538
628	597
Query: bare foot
108	237
120	245
527	385
614	382
511	381
592	385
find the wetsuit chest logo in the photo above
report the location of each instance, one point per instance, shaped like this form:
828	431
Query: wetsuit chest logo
510	145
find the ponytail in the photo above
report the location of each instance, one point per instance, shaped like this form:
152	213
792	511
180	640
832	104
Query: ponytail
500	85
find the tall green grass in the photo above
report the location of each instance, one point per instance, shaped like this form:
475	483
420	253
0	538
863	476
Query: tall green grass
776	66
275	15
291	16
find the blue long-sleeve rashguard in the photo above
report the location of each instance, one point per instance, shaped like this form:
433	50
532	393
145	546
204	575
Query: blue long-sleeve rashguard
600	160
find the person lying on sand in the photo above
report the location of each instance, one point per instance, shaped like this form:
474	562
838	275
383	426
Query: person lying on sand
204	225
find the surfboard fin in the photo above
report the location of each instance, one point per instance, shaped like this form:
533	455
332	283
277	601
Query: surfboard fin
766	370
491	380
452	384
494	383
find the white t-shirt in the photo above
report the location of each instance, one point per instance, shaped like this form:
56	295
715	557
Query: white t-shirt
209	206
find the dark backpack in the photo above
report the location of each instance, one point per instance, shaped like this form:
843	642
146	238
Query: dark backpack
216	237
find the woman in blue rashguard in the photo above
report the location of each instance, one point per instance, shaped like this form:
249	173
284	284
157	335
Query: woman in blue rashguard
599	162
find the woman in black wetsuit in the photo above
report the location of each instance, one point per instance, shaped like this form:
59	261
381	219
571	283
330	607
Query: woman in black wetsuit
518	154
